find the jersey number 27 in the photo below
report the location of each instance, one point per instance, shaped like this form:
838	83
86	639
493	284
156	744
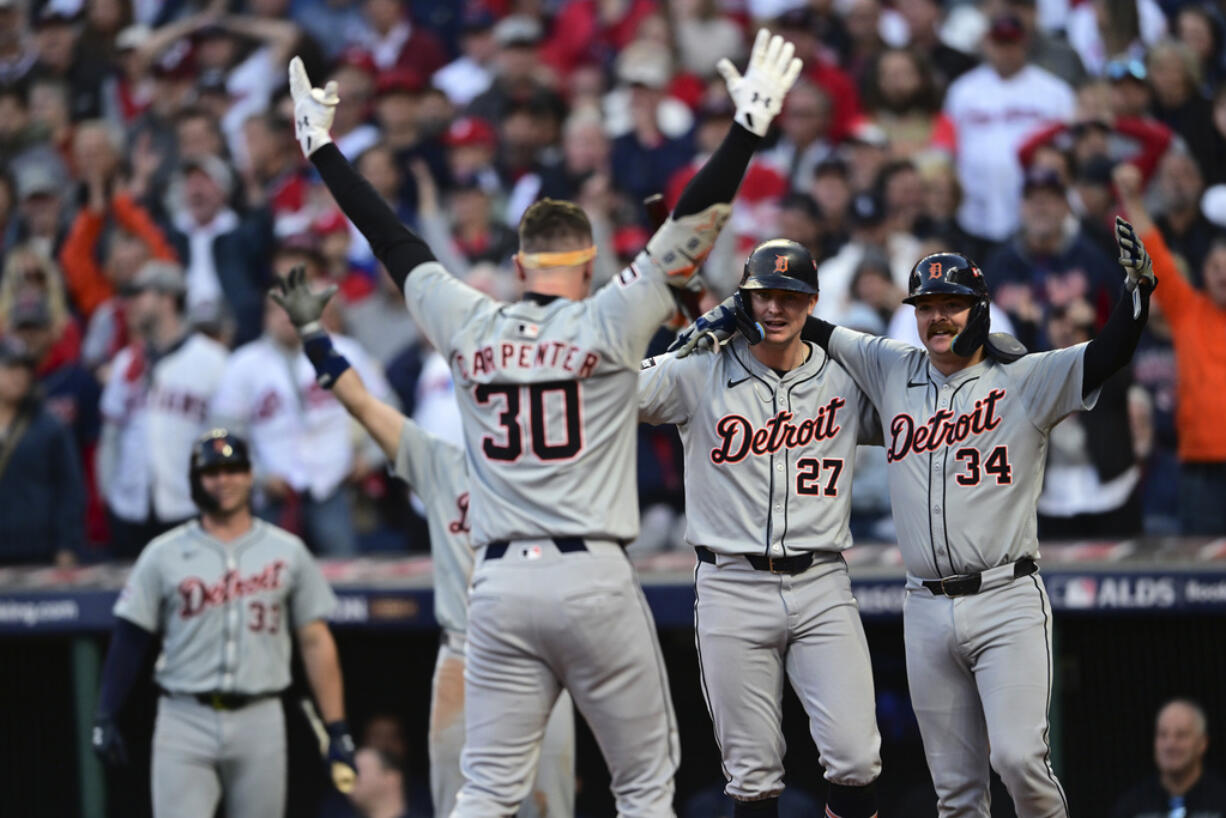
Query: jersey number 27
511	399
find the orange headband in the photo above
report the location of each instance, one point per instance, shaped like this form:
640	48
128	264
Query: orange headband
569	258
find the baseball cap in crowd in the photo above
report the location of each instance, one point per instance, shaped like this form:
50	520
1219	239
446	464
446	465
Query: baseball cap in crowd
398	81
30	312
644	63
1038	178
867	210
176	63
470	131
213	167
868	133
518	30
797	19
132	37
13	352
1119	70
54	14
477	19
1006	28
156	274
358	58
835	165
37	178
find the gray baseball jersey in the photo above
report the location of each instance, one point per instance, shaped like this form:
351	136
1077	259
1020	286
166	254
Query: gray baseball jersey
436	471
965	461
546	392
767	458
966	452
768	464
226	611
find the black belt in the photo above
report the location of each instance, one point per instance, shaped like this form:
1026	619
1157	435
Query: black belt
776	565
967	584
230	701
567	545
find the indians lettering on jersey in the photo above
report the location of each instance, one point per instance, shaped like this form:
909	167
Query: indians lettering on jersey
738	437
198	596
460	524
944	428
527	355
270	402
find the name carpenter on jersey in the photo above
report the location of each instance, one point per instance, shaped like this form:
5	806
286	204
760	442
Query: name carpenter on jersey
198	596
739	438
575	361
943	428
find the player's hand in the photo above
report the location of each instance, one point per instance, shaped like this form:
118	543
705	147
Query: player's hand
341	767
772	71
717	325
314	108
303	305
108	742
1134	258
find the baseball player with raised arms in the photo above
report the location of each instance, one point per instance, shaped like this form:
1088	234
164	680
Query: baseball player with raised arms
966	422
770	434
225	592
435	470
546	388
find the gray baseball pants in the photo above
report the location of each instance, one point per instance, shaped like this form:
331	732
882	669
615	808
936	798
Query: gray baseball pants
980	672
201	755
553	792
541	621
754	628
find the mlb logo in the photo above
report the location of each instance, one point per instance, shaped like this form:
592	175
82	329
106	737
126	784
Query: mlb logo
530	331
1080	592
531	552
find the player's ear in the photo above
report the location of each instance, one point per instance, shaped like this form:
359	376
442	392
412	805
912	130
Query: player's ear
813	299
520	275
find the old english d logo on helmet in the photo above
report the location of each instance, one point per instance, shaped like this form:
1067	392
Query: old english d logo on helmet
934	269
781	264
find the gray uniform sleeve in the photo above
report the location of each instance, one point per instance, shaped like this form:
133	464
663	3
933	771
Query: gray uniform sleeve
627	312
416	456
1051	383
441	304
312	596
667	387
867	358
140	601
869	427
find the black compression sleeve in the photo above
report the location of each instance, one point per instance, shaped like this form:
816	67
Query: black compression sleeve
398	247
1111	350
130	645
720	176
817	331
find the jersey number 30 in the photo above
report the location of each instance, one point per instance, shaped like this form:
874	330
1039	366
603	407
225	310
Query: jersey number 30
563	447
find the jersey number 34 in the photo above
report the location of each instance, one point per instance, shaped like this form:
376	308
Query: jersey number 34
546	440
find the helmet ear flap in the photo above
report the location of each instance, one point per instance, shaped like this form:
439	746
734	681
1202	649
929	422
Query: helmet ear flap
975	332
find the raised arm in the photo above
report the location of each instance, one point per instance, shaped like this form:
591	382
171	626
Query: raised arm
333	371
399	248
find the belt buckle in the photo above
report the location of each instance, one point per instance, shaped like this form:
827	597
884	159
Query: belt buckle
770	566
945	590
215	701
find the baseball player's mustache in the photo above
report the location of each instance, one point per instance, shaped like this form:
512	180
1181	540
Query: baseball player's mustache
938	328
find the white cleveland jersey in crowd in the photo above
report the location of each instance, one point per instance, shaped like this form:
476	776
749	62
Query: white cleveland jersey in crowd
225	611
436	471
546	391
993	116
765	454
158	410
297	429
966	451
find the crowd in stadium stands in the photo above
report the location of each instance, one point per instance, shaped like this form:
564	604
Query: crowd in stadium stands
151	188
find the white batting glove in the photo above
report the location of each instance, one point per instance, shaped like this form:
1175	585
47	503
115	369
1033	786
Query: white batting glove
759	94
1134	258
313	108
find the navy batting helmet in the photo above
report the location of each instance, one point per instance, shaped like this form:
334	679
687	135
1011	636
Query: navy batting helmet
218	447
954	274
780	264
